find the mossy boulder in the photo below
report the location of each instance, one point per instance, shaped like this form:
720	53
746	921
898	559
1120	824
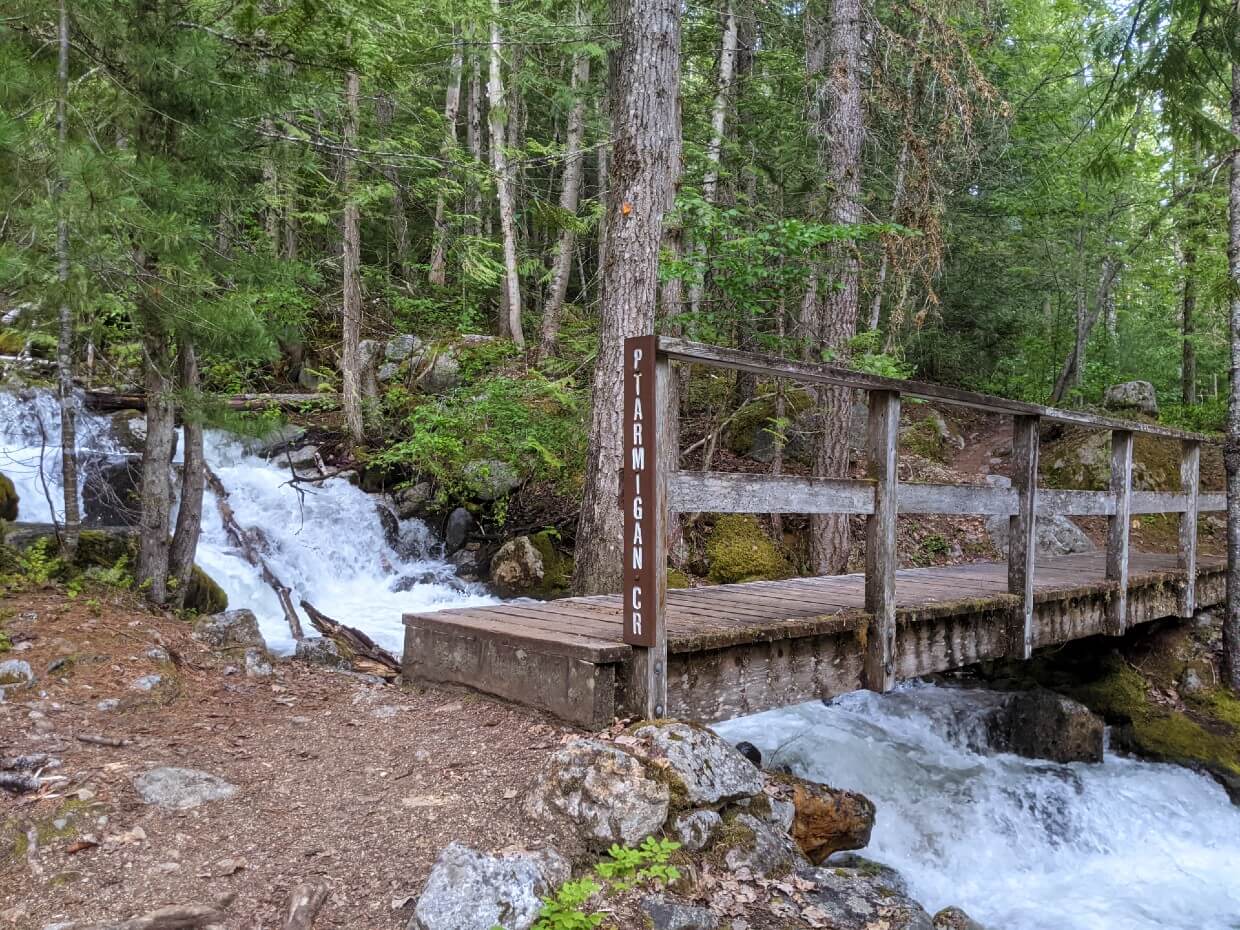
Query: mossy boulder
8	498
738	550
557	567
98	549
12	342
204	594
10	560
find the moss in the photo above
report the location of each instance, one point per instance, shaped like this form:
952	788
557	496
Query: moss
1119	695
678	579
10	560
745	426
1220	705
204	595
732	835
8	498
738	550
923	438
557	567
97	549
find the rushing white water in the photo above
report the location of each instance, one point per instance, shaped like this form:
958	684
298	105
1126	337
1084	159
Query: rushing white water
327	543
1019	844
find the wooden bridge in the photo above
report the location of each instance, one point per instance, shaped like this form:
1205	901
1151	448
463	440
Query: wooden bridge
715	652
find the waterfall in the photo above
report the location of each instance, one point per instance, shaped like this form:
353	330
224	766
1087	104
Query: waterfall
1019	844
325	541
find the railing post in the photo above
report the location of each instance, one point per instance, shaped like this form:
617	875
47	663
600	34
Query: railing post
882	447
1117	529
1022	532
1190	483
649	456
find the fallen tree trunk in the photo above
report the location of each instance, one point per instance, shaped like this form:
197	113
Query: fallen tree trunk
362	652
175	917
243	542
108	400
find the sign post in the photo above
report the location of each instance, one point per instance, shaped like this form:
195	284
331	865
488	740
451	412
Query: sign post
647	446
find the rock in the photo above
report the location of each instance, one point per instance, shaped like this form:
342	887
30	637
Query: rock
695	830
9	499
605	794
390	523
399	348
412	501
889	877
15	673
1044	725
110	490
469	890
861	899
826	820
273	440
953	918
465	561
750	752
1056	535
302	457
1191	683
1132	395
107	704
257	664
491	479
778	813
516	568
146	683
230	630
387	371
443	375
158	654
708	767
204	595
320	650
739	550
753	844
181	789
665	914
310	379
460	522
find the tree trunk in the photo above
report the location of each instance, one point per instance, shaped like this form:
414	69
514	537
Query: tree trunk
646	151
473	139
838	123
1188	360
64	347
570	192
714	149
350	264
1231	450
451	107
193	476
156	492
385	112
503	185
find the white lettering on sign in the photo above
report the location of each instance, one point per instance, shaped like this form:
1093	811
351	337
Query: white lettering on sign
639	461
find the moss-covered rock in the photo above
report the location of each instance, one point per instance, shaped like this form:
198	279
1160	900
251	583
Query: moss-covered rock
204	595
12	342
738	550
99	549
557	567
10	560
8	498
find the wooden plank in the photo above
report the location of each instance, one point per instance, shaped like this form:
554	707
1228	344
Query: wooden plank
721	492
504	629
1075	503
1190	487
882	442
762	363
648	675
1211	503
1158	502
1117	529
1022	532
956	498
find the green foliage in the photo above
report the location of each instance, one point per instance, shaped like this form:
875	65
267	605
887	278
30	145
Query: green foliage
566	909
626	868
530	424
1207	417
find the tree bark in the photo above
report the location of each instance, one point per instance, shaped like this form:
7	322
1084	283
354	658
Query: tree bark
1231	449
156	489
1188	359
570	193
451	108
645	153
473	139
64	346
385	112
503	185
193	476
350	264
838	124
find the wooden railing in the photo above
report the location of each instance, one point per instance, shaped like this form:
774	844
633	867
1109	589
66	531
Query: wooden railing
653	488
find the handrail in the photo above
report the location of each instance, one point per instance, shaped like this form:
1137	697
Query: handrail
654	488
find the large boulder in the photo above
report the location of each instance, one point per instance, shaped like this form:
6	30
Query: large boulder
605	794
707	769
230	631
663	913
110	490
1130	396
516	568
1056	535
443	374
274	440
413	500
491	479
8	499
401	348
747	842
320	650
738	550
826	820
953	918
469	890
1044	725
181	789
457	528
861	898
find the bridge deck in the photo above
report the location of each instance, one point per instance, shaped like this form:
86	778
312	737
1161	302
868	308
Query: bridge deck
745	647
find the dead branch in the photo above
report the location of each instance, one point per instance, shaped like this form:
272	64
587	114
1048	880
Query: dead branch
242	541
174	917
19	782
304	904
28	762
97	740
108	400
363	652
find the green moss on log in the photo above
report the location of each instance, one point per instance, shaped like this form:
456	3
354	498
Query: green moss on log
738	550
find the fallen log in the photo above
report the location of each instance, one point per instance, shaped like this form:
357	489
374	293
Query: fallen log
362	652
175	917
19	782
242	541
303	904
111	400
